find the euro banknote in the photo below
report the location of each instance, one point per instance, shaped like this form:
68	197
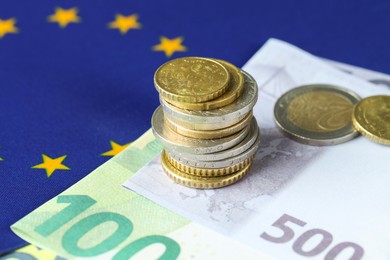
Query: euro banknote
98	218
298	201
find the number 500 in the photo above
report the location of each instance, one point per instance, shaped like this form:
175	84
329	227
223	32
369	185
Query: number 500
326	240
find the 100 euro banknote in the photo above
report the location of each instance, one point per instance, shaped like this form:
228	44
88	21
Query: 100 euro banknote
98	218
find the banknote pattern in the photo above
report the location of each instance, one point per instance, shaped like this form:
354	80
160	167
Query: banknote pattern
98	218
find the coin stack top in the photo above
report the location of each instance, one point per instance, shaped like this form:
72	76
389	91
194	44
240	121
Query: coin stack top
191	79
205	121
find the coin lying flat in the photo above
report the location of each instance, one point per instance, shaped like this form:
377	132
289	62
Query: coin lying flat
208	172
209	134
317	114
191	79
371	117
202	182
236	86
241	147
172	140
251	151
203	126
228	113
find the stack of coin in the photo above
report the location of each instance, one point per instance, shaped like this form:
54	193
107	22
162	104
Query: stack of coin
321	114
205	121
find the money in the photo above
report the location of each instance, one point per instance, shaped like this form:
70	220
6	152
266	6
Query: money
191	79
97	218
297	200
218	118
234	90
243	146
207	172
199	182
229	143
371	117
174	141
209	134
317	114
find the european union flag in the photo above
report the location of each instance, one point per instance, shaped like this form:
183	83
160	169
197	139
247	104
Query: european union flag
76	77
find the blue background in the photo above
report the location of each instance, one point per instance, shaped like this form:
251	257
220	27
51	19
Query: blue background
70	91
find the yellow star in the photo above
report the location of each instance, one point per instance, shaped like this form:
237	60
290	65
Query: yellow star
50	164
169	46
7	26
125	23
64	16
115	149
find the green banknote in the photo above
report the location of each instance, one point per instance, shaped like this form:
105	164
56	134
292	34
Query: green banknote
97	217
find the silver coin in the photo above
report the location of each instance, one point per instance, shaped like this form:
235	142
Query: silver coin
235	150
173	141
207	126
220	163
317	114
228	113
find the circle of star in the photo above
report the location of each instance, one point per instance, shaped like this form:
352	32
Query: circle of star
51	164
170	46
64	16
125	23
7	26
115	149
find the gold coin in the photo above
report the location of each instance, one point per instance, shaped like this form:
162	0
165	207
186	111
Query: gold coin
371	117
191	79
209	134
204	126
207	172
236	86
202	182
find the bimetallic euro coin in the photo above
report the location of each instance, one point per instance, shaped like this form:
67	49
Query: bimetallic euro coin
209	134
371	117
206	172
236	86
228	113
216	164
202	182
241	147
173	141
191	79
205	126
317	114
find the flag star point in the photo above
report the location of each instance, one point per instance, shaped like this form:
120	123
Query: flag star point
8	26
115	149
51	164
125	23
64	16
170	46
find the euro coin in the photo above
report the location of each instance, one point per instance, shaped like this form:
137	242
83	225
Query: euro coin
202	126
228	113
317	114
251	151
172	140
371	117
202	182
238	149
207	172
191	79
236	86
209	134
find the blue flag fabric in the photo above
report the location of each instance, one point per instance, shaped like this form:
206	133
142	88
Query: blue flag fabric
76	77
